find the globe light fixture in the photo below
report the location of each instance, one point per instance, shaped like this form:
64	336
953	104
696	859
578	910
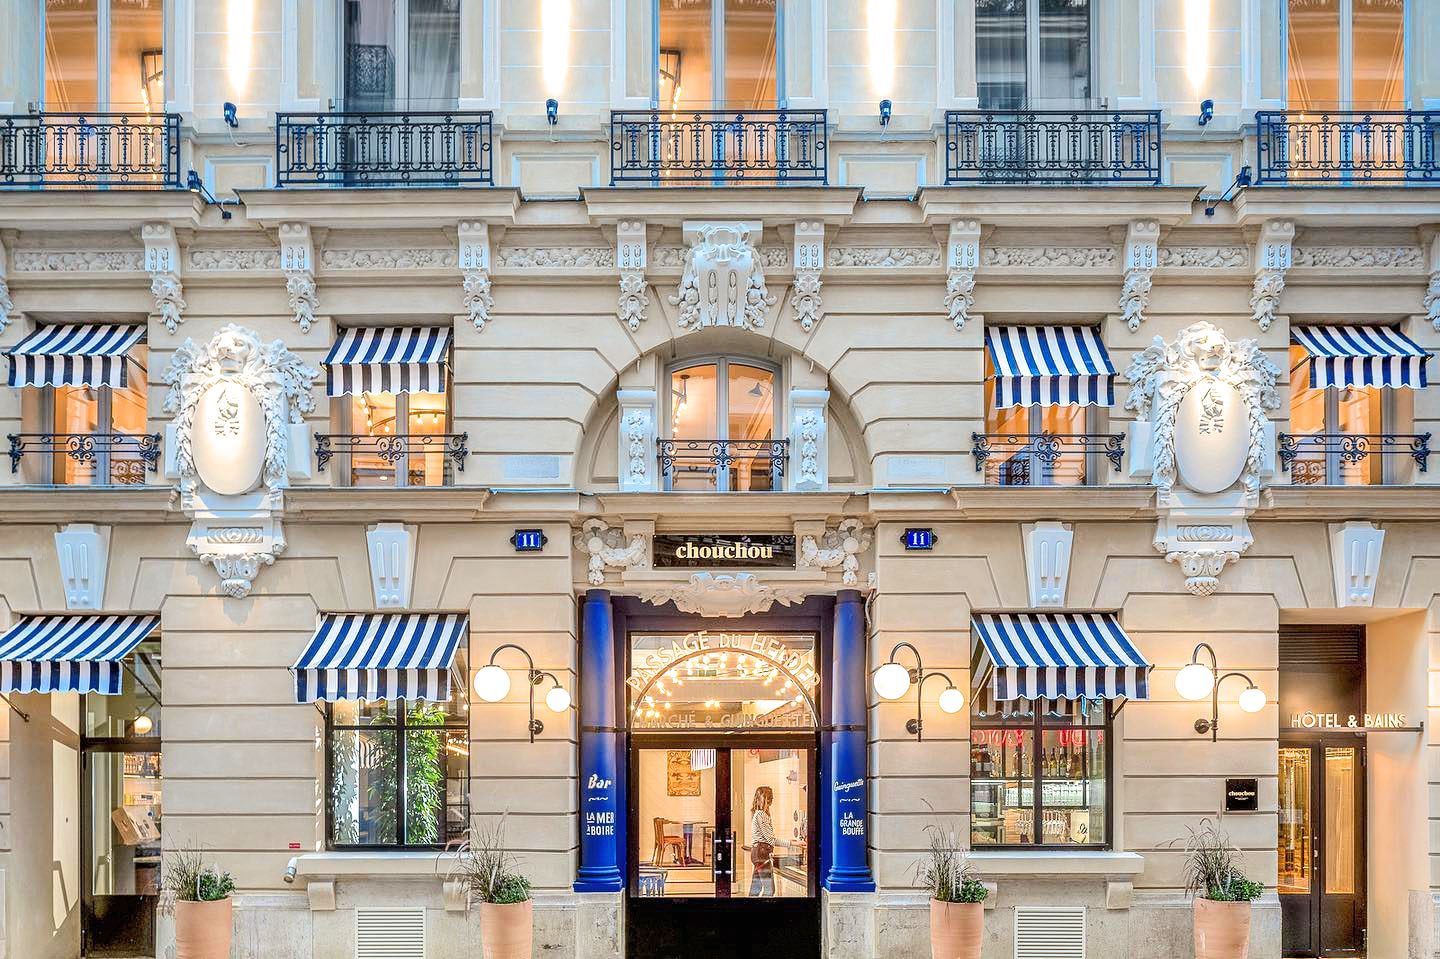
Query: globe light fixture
1252	700
952	700
143	725
893	681
1195	681
1198	680
492	684
557	699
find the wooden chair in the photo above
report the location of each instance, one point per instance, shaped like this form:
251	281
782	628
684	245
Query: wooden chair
664	839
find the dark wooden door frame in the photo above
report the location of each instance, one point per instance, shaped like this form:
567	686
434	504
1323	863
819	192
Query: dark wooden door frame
105	746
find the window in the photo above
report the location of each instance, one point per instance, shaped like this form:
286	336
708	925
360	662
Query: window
400	439
1351	410
1032	54
1050	766
104	55
98	412
399	771
722	54
722	428
723	681
1033	445
402	53
1346	54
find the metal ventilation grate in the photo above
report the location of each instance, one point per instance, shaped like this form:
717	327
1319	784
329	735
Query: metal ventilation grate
1322	645
1049	932
389	934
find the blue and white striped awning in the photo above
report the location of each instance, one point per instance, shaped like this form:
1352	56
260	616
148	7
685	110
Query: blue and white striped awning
70	654
1345	356
1059	656
379	656
1050	366
75	354
388	359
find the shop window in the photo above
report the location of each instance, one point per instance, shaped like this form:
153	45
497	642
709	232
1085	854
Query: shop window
1032	54
1345	54
104	55
722	428
398	772
723	681
78	413
402	53
1352	411
1047	764
399	439
722	54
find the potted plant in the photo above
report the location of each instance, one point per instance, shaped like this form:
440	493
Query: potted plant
1222	895
491	877
197	895
957	897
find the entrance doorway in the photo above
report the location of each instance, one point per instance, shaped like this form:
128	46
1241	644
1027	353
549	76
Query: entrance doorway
1322	848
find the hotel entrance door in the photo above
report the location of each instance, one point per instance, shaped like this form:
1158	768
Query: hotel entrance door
1322	848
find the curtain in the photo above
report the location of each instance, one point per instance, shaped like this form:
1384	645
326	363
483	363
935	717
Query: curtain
434	48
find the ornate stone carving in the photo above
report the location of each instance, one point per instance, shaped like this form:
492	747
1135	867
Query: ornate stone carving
1360	257
637	427
840	547
883	256
607	547
297	259
237	570
1047	562
809	450
1050	257
1272	259
723	283
1431	303
79	261
668	257
1203	257
162	262
1355	549
1142	253
7	305
83	550
1201	567
809	259
557	257
234	260
774	257
473	257
961	260
630	254
722	594
809	432
394	258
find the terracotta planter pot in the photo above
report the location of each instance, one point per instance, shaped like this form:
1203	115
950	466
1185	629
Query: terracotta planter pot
507	931
955	929
1222	929
203	929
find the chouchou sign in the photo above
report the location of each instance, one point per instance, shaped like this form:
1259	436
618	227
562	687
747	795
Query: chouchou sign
723	551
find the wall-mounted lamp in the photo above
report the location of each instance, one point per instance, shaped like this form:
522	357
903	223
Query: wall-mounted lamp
492	684
229	112
1197	680
886	108
194	184
1207	111
893	680
1242	179
552	111
142	725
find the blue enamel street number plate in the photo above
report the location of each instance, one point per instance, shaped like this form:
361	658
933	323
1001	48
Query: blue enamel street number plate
528	540
919	538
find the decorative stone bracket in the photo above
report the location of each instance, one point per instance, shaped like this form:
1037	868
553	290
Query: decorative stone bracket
722	594
1355	551
840	547
392	563
238	539
639	468
809	261
1202	535
297	260
474	261
1047	563
1431	303
608	548
632	257
809	440
84	552
1272	258
1142	254
724	279
162	262
962	260
7	305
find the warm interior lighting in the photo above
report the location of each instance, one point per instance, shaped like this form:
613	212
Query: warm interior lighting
1252	700
555	44
240	26
891	681
492	683
143	725
1197	43
880	34
952	700
1195	681
558	699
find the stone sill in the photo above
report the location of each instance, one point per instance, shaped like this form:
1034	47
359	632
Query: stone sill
399	864
995	865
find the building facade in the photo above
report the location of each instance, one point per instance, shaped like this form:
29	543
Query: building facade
658	429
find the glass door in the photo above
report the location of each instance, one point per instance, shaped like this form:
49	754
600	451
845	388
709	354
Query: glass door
1295	883
120	848
401	54
1322	849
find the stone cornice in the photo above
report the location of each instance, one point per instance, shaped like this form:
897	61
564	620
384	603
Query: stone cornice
99	210
671	206
89	504
359	504
380	208
698	512
1337	206
1069	502
1049	207
1338	503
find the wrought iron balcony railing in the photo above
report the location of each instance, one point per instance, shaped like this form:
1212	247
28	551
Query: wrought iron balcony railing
120	459
1348	148
1318	459
90	150
391	459
1075	147
699	147
1043	459
384	149
723	465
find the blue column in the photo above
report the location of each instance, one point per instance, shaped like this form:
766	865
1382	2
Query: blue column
602	822
849	866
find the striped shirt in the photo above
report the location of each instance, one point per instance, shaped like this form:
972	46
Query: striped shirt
761	829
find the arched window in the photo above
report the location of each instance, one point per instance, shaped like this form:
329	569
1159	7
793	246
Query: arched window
721	420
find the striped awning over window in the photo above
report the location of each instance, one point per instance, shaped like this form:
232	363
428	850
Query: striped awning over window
75	354
1361	356
1058	656
70	654
379	656
1050	366
389	359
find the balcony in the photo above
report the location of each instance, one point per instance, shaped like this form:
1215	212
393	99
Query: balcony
394	459
384	149
87	459
89	150
1052	147
723	465
1351	459
718	147
1376	148
1044	459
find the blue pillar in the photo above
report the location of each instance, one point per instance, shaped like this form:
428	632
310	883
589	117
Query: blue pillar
849	866
602	824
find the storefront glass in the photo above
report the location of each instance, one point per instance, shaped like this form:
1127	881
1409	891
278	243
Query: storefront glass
722	681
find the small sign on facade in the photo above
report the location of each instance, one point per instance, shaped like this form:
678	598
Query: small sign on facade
919	538
1242	795
529	540
723	551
